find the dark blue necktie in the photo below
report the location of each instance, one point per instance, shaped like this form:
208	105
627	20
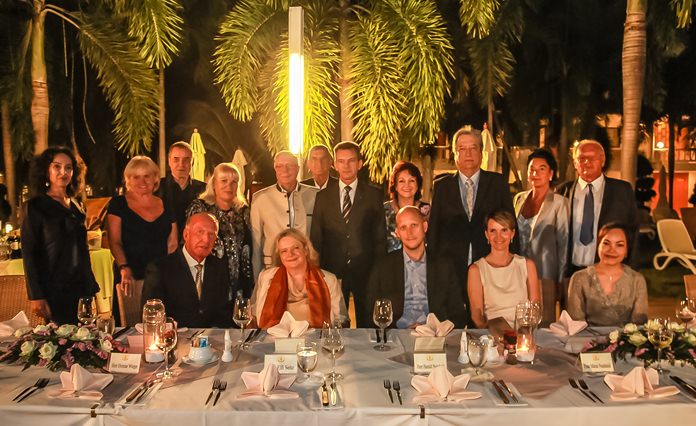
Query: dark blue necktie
587	229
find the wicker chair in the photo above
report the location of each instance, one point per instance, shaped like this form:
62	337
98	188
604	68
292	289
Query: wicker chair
131	310
13	298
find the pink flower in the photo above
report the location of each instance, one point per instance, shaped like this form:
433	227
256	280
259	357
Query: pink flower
102	354
62	342
640	352
68	359
692	353
42	362
610	348
587	346
81	346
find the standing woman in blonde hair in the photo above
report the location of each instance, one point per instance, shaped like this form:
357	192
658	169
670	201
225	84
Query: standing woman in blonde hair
140	227
223	199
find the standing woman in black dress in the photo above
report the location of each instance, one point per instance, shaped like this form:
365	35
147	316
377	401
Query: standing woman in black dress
54	238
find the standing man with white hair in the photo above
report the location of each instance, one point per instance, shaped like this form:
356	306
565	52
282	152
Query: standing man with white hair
287	204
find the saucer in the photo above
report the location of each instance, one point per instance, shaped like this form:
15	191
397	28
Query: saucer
214	358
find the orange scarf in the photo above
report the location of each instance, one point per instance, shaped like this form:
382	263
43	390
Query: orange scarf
277	298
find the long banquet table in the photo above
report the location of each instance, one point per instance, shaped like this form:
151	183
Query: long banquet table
544	385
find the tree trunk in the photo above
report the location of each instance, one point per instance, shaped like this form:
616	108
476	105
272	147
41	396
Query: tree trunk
162	135
9	158
39	102
633	76
344	99
563	146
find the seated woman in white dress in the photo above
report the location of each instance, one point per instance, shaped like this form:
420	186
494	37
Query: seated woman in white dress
501	280
297	285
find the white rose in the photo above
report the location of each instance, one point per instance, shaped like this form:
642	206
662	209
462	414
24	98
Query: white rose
83	334
691	339
677	327
27	348
652	325
22	331
637	339
66	330
614	336
40	328
630	328
106	345
48	351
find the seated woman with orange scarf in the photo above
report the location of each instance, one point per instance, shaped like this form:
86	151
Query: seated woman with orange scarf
297	285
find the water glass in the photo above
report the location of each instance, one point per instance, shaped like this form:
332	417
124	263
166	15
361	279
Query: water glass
306	359
242	317
478	354
383	316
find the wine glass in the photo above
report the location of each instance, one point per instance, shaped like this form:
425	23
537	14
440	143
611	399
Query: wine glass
306	359
383	317
242	316
106	325
332	341
536	312
86	310
477	351
686	310
660	335
165	339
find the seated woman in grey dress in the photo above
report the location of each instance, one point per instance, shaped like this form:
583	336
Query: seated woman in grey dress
609	293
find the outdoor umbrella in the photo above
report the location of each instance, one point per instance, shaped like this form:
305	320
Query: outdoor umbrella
198	169
489	151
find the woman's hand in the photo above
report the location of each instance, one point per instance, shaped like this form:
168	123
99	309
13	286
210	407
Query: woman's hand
126	281
40	308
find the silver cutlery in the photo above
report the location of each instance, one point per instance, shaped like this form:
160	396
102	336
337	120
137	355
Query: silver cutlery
27	389
507	388
575	386
216	386
500	392
387	386
587	388
147	390
397	388
40	384
221	389
690	389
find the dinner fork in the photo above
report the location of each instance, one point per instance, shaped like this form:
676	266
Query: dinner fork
576	387
38	382
587	388
397	388
216	386
387	386
41	385
221	389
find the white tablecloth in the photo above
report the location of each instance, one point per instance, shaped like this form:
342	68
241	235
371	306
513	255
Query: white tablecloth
544	385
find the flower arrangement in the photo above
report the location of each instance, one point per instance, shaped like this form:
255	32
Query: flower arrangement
633	341
59	347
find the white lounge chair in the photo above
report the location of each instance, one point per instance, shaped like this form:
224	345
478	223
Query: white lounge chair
676	245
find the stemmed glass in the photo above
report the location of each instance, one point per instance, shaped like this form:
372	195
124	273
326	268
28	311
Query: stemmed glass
660	335
242	317
165	339
86	310
686	310
306	359
477	351
332	341
383	317
106	324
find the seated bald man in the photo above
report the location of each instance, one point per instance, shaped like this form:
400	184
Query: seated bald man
416	281
192	283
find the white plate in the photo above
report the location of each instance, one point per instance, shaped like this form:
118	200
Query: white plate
212	359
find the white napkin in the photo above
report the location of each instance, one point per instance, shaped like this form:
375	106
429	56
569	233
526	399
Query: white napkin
139	328
441	385
80	383
268	384
288	327
640	382
566	326
7	328
433	327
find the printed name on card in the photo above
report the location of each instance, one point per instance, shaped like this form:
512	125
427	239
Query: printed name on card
124	363
597	362
286	363
424	362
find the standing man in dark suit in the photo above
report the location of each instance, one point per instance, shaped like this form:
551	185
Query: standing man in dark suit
178	189
319	164
193	283
414	279
595	200
460	204
349	229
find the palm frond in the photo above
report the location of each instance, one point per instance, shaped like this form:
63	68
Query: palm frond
247	37
478	16
683	10
492	63
129	85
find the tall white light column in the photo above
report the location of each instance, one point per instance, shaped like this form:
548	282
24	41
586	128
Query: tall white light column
296	79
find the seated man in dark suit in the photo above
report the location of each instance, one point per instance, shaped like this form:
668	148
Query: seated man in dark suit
192	283
416	281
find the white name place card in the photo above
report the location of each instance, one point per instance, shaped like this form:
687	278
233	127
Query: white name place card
429	344
286	363
287	345
597	362
424	362
124	363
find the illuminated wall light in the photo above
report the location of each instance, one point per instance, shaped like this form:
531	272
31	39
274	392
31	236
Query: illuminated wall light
660	145
296	79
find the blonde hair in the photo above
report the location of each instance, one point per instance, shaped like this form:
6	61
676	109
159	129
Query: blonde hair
140	162
312	255
209	194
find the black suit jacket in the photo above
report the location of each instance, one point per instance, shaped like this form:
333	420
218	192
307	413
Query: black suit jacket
313	184
444	290
170	280
618	205
177	200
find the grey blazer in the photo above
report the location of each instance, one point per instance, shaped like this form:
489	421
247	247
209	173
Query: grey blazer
548	245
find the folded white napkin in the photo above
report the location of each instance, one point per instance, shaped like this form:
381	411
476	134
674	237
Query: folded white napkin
567	326
268	384
639	382
80	383
433	327
441	385
7	328
139	328
288	327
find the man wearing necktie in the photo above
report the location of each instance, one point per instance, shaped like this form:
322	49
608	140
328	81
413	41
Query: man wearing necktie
192	283
460	203
349	230
595	200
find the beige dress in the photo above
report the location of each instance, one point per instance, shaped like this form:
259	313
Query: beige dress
503	287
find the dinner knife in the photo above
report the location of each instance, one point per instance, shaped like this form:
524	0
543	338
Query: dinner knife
506	387
690	389
146	390
120	332
501	394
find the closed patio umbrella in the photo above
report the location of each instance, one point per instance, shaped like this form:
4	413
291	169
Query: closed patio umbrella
198	167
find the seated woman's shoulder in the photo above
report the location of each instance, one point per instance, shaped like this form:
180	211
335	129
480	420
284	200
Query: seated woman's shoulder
267	273
328	276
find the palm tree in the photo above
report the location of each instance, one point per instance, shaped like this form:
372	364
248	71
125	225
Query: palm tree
382	64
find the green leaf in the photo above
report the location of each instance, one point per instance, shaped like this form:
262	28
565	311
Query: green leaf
478	16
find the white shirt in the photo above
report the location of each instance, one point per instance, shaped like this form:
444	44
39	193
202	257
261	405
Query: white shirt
342	191
584	255
462	191
191	262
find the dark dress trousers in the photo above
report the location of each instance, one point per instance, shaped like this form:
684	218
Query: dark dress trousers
349	249
387	280
450	231
170	279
